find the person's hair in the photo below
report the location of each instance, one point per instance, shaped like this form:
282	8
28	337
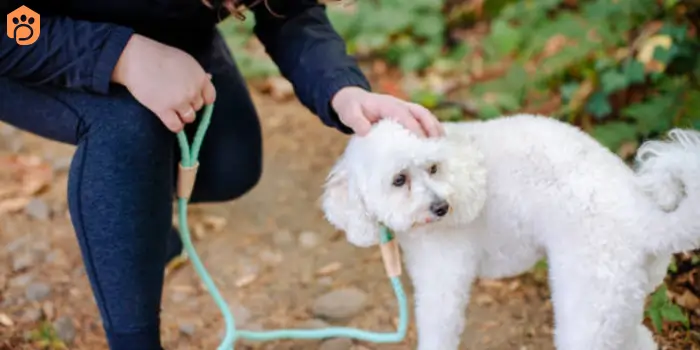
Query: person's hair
237	7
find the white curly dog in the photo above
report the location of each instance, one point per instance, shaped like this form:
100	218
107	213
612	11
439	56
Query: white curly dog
492	198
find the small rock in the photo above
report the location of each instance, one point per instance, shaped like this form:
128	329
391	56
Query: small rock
15	144
37	291
283	238
178	297
17	243
336	344
308	239
37	209
325	281
57	258
340	304
314	323
21	280
23	261
270	257
241	314
187	328
30	316
65	329
62	163
7	130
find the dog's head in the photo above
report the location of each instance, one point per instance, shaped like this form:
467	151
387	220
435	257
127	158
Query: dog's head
395	178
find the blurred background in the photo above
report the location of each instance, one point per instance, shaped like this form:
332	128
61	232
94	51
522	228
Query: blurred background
622	70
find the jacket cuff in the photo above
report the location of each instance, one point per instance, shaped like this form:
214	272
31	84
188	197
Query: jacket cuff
350	76
108	57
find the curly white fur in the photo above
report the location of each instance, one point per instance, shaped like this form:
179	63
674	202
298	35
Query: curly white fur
521	188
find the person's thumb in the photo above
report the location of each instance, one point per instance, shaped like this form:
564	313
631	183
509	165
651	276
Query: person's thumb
356	121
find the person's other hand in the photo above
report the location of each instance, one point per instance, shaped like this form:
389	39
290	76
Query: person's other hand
358	109
166	80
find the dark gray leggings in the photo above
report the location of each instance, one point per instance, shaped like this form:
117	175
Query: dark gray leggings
121	181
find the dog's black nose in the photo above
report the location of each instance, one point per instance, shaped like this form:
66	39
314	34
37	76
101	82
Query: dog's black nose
439	208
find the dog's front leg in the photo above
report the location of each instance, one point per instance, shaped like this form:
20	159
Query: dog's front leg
442	273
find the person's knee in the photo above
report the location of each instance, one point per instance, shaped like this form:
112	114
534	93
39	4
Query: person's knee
124	121
228	179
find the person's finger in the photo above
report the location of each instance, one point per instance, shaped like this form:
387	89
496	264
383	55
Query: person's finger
404	116
208	92
197	102
357	121
427	119
171	121
186	113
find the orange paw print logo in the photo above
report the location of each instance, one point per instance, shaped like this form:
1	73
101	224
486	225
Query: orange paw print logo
23	25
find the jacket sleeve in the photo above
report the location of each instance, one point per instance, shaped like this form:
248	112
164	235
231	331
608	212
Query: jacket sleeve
309	53
69	53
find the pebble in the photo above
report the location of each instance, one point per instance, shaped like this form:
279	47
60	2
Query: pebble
340	304
61	163
336	344
187	328
30	315
38	209
37	291
21	280
283	238
23	261
17	243
65	329
308	239
314	323
241	314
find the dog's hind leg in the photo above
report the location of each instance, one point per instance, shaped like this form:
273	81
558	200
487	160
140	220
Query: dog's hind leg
598	301
442	272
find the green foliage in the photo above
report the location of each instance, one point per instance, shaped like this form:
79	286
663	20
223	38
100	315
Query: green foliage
661	309
45	338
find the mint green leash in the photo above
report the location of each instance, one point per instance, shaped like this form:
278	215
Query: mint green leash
186	177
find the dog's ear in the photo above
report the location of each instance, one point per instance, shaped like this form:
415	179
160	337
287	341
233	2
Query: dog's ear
345	210
468	176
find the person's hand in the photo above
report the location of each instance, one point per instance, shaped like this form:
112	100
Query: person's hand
358	109
166	80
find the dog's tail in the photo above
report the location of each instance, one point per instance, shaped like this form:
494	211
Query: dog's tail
669	173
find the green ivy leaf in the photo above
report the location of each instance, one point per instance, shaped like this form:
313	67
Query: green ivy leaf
656	319
429	25
614	134
489	111
413	61
673	313
568	90
504	37
633	71
598	105
612	80
659	298
653	115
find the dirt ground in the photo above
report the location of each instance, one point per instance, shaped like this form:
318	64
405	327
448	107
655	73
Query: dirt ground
271	253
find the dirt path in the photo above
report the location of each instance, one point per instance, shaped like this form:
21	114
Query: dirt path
271	253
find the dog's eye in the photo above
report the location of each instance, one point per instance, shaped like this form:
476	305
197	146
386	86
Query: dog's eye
433	169
399	180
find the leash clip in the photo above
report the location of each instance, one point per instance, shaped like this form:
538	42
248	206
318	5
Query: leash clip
185	180
391	257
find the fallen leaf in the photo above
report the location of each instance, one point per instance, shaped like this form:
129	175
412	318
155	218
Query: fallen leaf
646	52
12	205
214	223
329	269
688	300
6	320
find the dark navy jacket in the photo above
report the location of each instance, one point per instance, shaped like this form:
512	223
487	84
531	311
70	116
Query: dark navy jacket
81	40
